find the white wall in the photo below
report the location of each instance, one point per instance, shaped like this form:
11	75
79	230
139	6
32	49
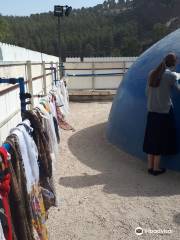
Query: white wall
13	53
13	64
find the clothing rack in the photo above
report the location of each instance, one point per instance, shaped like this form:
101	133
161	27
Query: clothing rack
23	95
43	194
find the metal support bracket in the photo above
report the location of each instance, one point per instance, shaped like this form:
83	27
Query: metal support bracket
55	73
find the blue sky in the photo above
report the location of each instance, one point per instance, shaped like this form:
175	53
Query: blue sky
27	7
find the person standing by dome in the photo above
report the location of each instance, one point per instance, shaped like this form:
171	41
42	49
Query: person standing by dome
160	133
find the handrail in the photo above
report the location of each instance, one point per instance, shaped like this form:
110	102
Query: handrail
105	62
27	67
94	69
12	88
95	75
39	77
4	122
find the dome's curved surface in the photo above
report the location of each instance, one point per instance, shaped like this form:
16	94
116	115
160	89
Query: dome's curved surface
127	118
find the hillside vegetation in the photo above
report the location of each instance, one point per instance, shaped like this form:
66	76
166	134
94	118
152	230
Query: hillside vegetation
123	28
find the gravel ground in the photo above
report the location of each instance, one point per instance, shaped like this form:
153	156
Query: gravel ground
104	193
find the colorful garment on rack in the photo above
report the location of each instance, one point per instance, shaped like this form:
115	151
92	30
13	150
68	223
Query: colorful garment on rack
44	158
18	197
60	100
62	122
62	97
29	157
3	218
42	142
48	124
29	153
5	189
39	213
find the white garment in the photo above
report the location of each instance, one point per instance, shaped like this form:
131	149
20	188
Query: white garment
65	95
53	134
61	102
32	149
1	232
29	154
177	75
62	97
53	109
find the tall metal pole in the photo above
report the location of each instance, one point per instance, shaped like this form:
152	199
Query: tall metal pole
59	48
60	11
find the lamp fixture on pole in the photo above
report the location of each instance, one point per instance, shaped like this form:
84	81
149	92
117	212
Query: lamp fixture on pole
61	11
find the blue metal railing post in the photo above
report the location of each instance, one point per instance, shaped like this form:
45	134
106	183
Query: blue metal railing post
22	92
22	95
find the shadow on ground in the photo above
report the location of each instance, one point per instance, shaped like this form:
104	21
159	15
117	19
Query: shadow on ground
176	218
119	172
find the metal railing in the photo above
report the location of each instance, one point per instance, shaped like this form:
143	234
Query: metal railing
37	80
102	75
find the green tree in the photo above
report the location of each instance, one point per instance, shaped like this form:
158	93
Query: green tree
95	31
159	31
89	50
3	29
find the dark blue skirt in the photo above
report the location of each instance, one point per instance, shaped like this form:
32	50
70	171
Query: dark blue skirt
160	134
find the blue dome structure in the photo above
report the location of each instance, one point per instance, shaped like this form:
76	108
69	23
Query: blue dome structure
127	118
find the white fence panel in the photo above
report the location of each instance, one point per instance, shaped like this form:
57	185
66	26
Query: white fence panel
73	60
97	73
76	83
109	59
107	82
